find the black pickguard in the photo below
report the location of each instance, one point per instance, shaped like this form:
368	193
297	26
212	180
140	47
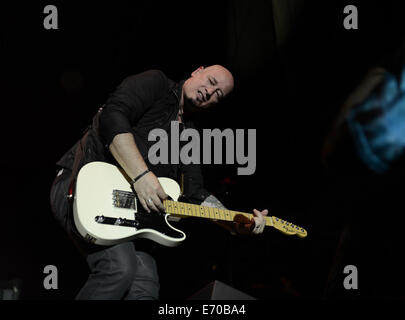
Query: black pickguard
155	220
143	220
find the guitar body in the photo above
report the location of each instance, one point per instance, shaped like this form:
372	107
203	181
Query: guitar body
106	210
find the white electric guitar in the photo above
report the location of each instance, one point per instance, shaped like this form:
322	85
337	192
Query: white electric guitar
106	210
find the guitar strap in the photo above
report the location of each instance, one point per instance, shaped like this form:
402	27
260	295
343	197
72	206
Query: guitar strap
76	163
80	151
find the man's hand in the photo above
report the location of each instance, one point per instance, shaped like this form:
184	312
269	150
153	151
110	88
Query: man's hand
150	192
255	225
147	187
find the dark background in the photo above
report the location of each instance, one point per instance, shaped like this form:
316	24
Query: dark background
293	63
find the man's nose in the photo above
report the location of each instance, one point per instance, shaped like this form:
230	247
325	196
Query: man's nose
209	92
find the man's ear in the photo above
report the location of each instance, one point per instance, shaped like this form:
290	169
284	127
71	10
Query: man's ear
194	73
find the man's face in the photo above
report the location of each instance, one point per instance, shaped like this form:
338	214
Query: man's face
207	86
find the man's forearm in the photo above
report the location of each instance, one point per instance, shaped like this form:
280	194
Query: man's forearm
125	151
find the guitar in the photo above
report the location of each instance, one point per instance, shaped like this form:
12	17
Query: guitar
106	210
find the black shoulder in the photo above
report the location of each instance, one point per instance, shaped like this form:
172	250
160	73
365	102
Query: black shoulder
147	80
150	75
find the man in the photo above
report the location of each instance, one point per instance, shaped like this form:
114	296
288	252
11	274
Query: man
119	135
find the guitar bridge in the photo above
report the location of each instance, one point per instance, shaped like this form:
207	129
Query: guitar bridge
124	199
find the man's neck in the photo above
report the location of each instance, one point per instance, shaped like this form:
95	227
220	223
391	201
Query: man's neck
181	103
181	107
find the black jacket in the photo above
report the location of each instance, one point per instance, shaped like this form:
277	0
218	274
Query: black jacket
140	103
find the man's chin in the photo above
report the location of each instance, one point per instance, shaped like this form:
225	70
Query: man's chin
191	106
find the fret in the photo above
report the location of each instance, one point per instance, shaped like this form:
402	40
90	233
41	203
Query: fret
167	206
227	215
187	210
178	205
174	207
190	210
211	212
207	212
269	221
231	215
201	211
216	213
221	214
171	208
195	210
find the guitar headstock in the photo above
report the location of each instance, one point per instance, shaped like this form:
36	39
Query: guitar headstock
288	228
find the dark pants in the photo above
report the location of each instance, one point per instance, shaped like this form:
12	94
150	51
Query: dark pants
116	272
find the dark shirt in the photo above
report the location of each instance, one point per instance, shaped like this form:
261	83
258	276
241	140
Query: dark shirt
140	103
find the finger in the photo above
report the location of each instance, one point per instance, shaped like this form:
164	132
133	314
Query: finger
259	227
158	203
151	204
259	222
144	205
161	194
258	213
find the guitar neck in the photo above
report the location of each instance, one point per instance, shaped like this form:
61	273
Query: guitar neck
182	209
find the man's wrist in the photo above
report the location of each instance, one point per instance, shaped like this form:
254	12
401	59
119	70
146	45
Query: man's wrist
139	176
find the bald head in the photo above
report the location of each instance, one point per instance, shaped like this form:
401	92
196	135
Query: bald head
207	86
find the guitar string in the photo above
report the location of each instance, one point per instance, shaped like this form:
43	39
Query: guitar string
130	196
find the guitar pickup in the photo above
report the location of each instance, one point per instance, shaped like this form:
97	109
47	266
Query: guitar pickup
122	222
